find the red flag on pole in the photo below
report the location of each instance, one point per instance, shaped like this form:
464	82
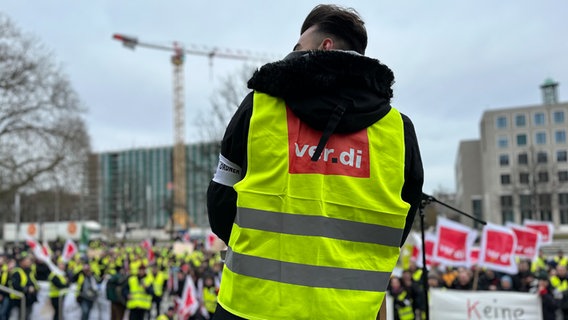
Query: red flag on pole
430	241
545	228
188	303
147	244
69	250
210	240
528	241
498	245
453	244
37	250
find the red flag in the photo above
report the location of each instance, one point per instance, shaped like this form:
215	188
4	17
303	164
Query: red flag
453	244
37	250
545	228
498	245
188	303
528	241
69	250
147	244
210	240
430	240
46	250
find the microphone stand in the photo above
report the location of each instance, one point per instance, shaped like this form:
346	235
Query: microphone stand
426	200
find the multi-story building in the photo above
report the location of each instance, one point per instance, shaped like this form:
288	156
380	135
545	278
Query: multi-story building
518	168
135	186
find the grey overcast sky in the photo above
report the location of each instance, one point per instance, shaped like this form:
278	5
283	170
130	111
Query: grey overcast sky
452	60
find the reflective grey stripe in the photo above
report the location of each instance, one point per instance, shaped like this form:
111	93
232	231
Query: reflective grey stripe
307	275
317	226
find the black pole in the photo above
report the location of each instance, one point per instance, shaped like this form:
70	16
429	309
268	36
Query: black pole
424	279
427	199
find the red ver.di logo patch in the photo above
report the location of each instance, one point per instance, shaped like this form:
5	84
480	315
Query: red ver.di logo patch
344	154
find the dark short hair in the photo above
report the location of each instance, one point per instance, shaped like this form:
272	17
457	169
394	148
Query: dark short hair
343	23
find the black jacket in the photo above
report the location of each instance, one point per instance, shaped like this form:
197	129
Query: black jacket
331	91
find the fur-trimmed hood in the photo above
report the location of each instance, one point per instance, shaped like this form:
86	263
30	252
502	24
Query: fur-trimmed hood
315	83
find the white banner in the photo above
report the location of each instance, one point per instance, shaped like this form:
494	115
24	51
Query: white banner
478	305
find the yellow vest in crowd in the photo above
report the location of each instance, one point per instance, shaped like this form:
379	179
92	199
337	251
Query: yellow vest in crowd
53	290
139	298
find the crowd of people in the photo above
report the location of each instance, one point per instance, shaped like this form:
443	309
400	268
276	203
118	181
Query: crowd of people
141	288
545	276
136	285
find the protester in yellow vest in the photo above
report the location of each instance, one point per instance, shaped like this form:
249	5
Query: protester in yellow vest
317	178
6	266
139	295
540	263
57	282
158	280
402	300
23	280
209	294
87	290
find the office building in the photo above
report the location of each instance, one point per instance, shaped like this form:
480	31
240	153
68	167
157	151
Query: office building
518	168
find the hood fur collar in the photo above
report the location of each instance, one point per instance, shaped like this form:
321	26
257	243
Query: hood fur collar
308	73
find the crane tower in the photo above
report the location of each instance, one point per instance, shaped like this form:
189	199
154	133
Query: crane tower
180	215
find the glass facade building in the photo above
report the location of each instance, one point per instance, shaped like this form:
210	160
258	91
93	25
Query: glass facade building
135	186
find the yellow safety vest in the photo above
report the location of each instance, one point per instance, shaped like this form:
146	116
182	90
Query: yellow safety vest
315	239
53	290
139	298
23	281
560	285
406	312
210	299
538	264
157	281
162	317
417	275
4	275
561	261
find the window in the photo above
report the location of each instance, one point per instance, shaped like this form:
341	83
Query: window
502	142
520	120
505	179
477	210
562	176
539	119
543	176
558	117
523	158
504	160
501	122
561	156
541	157
526	207
560	136
545	206
507	213
563	207
522	139
524	178
540	138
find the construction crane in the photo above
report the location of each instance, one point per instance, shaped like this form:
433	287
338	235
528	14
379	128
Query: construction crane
180	215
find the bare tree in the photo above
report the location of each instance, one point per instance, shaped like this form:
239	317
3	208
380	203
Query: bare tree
43	137
224	103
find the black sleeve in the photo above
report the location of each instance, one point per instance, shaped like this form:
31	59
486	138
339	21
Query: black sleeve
413	175
57	283
16	282
221	199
